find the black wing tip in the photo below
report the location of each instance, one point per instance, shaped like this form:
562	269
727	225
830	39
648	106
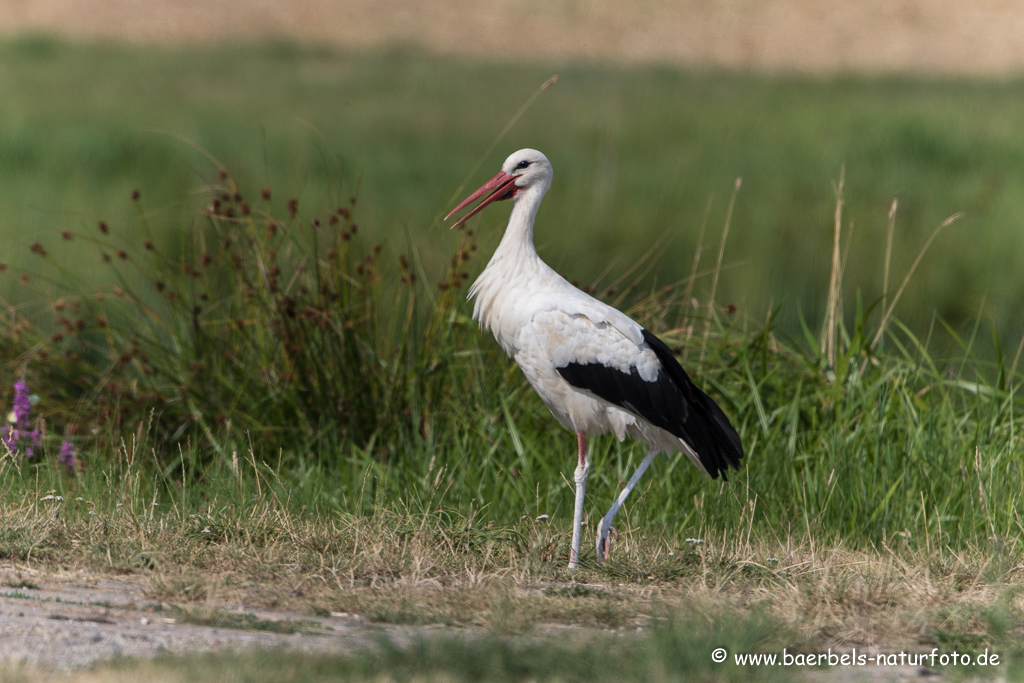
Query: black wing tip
721	468
719	463
721	448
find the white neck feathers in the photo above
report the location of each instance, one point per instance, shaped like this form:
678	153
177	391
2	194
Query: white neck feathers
515	263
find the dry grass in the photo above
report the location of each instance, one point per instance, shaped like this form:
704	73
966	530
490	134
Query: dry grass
405	568
804	35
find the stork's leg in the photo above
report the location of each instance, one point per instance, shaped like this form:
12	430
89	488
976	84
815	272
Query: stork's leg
582	470
604	544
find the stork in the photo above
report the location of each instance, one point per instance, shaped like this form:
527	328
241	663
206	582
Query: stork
595	368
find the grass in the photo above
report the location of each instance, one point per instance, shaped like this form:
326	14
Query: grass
288	343
220	618
660	607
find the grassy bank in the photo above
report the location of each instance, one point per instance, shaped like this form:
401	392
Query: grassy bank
354	378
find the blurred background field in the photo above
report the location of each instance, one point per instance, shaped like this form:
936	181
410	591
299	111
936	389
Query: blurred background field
641	153
927	36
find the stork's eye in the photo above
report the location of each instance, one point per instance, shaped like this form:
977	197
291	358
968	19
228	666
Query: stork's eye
522	164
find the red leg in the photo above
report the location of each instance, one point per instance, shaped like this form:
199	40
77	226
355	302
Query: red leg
582	470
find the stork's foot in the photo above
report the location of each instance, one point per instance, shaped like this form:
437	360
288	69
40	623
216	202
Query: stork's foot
605	532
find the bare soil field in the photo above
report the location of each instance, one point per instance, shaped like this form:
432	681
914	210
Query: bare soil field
817	36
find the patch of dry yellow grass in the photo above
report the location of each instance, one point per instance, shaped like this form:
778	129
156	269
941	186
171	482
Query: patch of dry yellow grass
438	569
981	37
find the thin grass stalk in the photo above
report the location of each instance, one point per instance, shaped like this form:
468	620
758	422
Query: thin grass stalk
887	316
888	253
688	293
1016	358
833	311
718	267
504	131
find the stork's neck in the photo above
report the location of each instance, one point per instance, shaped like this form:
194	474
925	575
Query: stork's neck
518	240
515	265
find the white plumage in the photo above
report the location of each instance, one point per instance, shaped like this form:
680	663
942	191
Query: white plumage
595	368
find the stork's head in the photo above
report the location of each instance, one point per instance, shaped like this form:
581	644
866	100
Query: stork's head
525	170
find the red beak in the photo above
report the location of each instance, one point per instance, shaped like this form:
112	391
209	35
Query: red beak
503	186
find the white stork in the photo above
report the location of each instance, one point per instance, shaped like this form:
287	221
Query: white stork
595	368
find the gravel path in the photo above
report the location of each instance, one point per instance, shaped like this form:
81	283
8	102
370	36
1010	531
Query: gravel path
65	624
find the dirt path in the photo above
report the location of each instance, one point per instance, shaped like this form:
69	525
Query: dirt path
979	37
64	622
60	622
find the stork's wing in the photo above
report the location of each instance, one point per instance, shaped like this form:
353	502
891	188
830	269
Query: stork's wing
646	380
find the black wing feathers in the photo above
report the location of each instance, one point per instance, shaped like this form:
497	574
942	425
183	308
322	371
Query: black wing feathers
672	402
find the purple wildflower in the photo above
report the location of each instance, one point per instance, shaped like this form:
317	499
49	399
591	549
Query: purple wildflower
22	403
34	437
12	436
67	455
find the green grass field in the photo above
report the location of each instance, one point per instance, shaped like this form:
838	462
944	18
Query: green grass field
638	154
188	342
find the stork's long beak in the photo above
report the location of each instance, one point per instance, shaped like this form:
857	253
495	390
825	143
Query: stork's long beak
503	186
